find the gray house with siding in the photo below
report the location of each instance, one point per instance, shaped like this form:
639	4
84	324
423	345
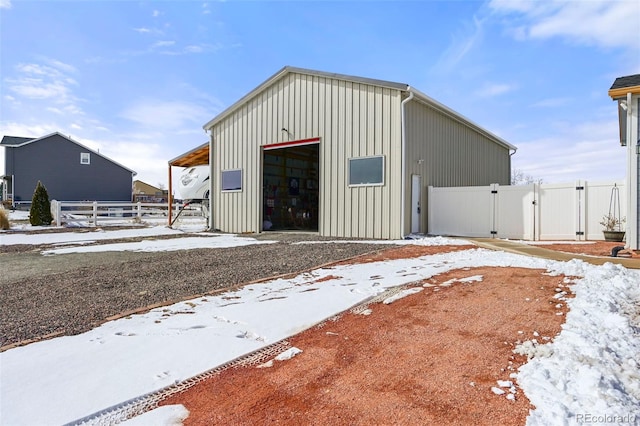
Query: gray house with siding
343	156
69	170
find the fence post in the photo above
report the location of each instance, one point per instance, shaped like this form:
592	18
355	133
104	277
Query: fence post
494	210
580	209
139	208
536	211
95	213
430	210
55	206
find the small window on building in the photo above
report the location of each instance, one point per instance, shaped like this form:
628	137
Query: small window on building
85	158
232	180
366	171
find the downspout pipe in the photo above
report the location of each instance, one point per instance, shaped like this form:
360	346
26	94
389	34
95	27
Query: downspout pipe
511	163
632	161
403	184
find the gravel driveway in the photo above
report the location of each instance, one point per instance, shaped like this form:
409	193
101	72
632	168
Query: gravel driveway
72	293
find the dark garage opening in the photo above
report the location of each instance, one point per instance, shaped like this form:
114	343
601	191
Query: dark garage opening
290	187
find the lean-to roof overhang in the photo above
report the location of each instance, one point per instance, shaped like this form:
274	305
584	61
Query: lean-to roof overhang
196	157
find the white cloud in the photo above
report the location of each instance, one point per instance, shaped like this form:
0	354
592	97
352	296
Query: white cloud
193	49
150	31
155	13
156	114
494	89
461	45
588	151
170	48
27	130
608	23
60	65
163	43
50	81
551	103
5	4
36	88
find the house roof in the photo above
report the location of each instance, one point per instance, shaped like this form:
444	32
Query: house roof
137	183
623	85
196	157
381	83
16	142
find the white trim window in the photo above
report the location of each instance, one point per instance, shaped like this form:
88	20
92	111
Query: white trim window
85	158
366	171
231	180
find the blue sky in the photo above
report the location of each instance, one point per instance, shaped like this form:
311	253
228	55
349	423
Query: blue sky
137	80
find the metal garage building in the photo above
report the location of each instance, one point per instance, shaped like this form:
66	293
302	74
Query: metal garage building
341	155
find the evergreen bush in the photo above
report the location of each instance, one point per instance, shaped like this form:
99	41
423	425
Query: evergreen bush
40	213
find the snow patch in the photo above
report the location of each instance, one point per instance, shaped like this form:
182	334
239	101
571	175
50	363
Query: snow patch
166	415
288	354
402	294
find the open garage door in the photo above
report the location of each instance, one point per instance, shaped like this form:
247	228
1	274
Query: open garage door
290	193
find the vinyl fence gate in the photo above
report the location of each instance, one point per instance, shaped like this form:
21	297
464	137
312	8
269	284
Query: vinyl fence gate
569	211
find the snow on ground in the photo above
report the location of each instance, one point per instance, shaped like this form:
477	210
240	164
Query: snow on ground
204	241
588	370
413	240
167	415
93	235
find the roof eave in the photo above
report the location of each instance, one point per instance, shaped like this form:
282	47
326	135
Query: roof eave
177	159
77	143
288	70
621	92
236	104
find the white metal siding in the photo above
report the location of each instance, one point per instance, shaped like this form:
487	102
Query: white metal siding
452	154
352	119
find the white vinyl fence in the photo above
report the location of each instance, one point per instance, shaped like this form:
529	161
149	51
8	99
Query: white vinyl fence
100	211
570	211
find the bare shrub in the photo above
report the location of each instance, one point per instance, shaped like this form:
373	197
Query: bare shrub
4	219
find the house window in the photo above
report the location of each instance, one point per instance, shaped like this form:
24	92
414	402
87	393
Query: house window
366	171
232	180
85	158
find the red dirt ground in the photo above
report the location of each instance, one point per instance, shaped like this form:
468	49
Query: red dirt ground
593	248
430	358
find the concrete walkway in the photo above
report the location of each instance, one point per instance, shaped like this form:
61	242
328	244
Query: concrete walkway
538	251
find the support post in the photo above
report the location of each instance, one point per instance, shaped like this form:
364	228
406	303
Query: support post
170	198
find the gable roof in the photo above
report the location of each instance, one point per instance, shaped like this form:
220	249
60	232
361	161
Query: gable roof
623	85
17	142
419	96
13	140
289	70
